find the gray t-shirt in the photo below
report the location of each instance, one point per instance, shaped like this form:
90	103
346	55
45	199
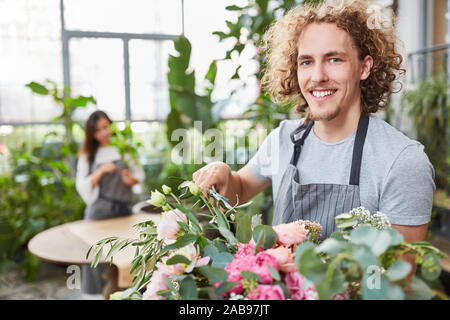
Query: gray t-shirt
396	176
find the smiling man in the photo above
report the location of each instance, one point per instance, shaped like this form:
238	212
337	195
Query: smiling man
339	70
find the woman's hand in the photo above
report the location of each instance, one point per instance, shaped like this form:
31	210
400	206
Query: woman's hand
108	167
128	178
105	168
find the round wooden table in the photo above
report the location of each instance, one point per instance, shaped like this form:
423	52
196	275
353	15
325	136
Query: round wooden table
69	243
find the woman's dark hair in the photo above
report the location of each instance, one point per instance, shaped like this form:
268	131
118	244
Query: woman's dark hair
90	145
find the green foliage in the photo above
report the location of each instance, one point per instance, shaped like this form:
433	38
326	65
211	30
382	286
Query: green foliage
186	105
264	236
429	107
362	262
150	250
36	195
359	256
68	105
126	142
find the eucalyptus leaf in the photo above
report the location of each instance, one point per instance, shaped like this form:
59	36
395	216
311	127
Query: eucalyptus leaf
364	257
214	274
222	259
301	248
431	267
382	242
225	287
374	286
398	270
396	293
396	237
364	235
419	290
243	227
274	273
269	236
248	275
177	259
181	242
211	251
330	246
311	266
188	289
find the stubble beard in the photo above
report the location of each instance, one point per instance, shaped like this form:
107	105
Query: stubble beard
327	117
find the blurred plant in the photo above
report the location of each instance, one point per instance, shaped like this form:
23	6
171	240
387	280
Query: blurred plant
68	105
126	142
37	194
429	107
186	106
363	261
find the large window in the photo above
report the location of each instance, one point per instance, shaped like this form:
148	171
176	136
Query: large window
30	49
114	50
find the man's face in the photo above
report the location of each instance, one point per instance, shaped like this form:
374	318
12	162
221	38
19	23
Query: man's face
329	71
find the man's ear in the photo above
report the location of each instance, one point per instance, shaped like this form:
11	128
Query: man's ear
366	67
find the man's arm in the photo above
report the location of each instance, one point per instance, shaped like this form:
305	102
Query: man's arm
411	234
247	185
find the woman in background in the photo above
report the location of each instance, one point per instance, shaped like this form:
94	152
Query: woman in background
105	184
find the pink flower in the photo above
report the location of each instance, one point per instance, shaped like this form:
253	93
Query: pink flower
244	260
244	250
262	261
168	227
284	258
266	292
341	296
291	233
156	284
296	283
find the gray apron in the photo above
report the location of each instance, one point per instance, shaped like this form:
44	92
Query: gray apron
318	202
114	201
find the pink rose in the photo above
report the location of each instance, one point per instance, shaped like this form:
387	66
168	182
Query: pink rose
284	258
261	269
168	227
291	233
266	292
156	284
245	250
257	264
296	285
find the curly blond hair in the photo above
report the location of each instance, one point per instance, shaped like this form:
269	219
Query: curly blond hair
372	33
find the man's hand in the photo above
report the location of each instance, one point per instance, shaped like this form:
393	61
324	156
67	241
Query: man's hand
217	174
241	185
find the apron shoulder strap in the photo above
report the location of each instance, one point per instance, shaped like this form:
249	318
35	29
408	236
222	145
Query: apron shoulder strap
298	143
361	133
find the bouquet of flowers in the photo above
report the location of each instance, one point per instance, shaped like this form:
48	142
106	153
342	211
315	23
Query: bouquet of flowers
247	260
